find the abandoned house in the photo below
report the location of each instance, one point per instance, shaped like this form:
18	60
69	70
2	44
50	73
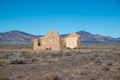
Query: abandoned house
53	41
72	40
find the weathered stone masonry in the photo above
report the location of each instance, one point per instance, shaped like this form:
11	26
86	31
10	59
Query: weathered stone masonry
53	41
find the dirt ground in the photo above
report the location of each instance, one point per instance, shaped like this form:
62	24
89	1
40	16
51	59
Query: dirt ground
90	62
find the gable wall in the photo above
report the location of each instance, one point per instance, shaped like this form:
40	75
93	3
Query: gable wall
72	42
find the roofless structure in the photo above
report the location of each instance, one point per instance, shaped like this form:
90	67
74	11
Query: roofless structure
53	41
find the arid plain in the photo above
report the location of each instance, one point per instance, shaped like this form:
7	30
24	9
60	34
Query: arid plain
90	62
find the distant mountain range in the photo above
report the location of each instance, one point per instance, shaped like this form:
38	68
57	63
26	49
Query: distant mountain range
19	37
16	37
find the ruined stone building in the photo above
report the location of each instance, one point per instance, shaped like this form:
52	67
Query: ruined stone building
50	41
72	40
53	41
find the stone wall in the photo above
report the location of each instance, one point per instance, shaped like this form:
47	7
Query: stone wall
73	40
53	41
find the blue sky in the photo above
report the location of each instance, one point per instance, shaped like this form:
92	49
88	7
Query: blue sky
41	16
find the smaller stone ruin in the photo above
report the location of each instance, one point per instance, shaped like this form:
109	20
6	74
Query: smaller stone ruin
53	41
72	40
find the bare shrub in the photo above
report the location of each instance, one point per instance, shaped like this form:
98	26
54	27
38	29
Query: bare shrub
4	77
115	76
15	59
98	62
53	77
105	68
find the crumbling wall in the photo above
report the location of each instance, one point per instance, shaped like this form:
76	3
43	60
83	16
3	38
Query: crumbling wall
73	40
53	41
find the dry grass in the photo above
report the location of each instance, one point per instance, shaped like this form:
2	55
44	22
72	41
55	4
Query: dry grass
90	62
